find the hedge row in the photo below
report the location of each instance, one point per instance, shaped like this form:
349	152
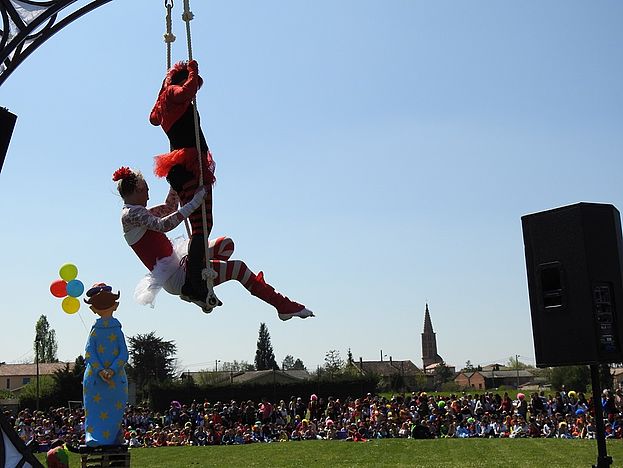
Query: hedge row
186	392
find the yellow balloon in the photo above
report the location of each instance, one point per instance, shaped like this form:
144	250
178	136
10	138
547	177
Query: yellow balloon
68	272
70	305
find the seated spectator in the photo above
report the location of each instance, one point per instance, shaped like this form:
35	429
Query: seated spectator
148	440
229	437
563	432
487	426
405	430
590	429
281	413
134	440
475	428
199	437
500	427
295	435
161	440
519	427
239	437
462	431
548	429
421	430
342	433
534	430
354	435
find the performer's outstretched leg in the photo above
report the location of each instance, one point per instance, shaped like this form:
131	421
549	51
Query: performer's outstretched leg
255	284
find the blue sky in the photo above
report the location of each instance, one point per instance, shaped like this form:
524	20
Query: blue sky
371	157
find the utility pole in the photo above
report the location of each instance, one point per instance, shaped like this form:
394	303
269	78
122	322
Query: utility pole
517	367
37	339
493	376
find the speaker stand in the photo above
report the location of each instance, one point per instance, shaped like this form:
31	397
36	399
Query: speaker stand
603	460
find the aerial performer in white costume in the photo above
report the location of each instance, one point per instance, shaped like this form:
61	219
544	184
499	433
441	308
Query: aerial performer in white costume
144	230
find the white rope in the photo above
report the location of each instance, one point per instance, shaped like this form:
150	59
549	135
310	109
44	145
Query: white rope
169	37
208	274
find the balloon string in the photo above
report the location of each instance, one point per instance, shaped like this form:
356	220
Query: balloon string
83	324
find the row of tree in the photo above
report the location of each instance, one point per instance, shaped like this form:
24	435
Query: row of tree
153	361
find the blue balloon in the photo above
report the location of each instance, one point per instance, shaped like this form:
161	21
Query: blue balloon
75	288
579	411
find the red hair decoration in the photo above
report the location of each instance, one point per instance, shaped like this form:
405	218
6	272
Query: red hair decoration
122	173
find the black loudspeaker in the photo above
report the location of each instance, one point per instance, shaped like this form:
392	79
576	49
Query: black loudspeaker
575	282
7	124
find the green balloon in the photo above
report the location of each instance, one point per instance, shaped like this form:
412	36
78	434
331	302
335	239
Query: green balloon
68	272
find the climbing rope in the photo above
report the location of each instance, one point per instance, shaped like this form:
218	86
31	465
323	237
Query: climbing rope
169	37
188	16
208	273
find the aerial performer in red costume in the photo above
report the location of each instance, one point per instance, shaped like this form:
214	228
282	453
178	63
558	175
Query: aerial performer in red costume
144	229
174	112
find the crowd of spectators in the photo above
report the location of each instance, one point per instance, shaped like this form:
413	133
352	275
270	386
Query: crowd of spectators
565	415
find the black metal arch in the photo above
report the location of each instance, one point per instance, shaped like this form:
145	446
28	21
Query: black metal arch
26	24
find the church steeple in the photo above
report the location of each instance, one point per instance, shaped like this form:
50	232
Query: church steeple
429	342
428	325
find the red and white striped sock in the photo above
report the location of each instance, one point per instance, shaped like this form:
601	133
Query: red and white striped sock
221	248
233	270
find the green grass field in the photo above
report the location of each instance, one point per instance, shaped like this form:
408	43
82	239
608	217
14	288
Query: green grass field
464	453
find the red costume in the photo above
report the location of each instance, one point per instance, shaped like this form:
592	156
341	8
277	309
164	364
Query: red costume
174	112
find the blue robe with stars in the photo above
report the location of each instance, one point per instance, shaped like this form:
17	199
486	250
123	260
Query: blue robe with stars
105	401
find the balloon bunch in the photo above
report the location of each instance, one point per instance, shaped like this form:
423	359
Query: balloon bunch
68	287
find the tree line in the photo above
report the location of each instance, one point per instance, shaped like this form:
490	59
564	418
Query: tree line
152	361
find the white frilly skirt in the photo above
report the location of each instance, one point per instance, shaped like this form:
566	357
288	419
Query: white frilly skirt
169	273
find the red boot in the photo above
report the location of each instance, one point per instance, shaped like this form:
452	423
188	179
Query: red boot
285	307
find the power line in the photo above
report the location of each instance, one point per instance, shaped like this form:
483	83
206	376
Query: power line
20	358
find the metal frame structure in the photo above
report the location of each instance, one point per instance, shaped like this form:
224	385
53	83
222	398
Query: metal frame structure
26	24
13	448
